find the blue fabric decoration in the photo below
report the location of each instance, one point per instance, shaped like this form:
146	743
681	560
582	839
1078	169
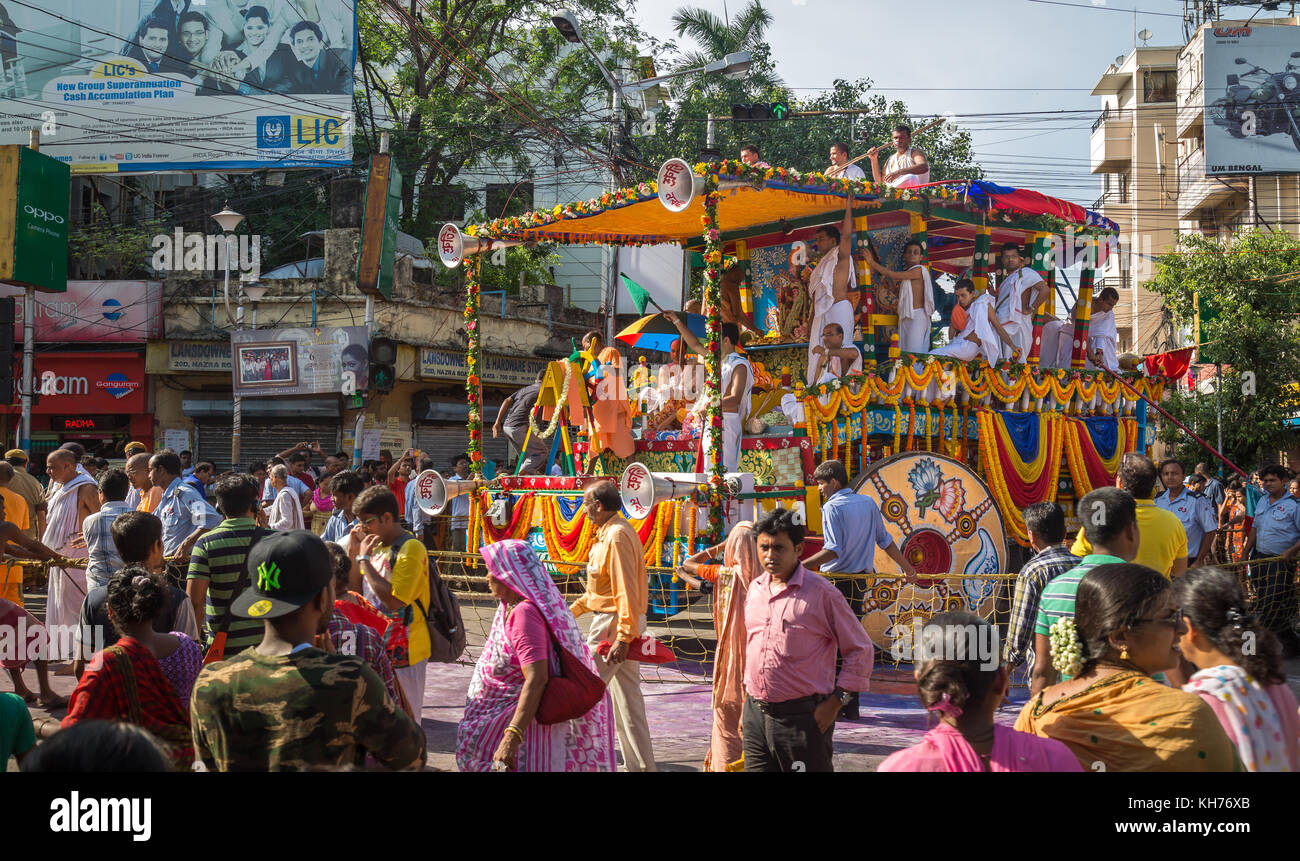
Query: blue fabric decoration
1104	431
1023	430
568	507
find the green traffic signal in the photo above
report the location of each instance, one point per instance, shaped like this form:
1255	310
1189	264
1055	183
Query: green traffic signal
780	110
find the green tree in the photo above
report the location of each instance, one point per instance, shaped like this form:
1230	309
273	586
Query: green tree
465	84
1245	289
103	248
716	38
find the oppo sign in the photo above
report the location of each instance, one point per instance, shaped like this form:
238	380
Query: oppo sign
43	215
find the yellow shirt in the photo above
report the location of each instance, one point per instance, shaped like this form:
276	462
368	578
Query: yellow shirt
409	579
11	581
616	578
1162	538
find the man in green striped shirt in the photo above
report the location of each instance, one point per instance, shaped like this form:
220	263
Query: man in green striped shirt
218	561
1109	517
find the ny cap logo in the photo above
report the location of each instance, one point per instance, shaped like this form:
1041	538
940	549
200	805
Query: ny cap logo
268	576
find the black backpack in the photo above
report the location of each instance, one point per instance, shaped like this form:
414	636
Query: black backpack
442	618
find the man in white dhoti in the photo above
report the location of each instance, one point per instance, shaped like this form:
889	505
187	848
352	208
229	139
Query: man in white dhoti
737	385
906	166
831	280
1103	337
75	498
1020	291
1101	334
983	334
835	359
915	298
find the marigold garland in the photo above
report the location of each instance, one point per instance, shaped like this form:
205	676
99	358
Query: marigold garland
560	405
473	385
712	343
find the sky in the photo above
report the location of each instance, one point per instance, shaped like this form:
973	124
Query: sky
968	57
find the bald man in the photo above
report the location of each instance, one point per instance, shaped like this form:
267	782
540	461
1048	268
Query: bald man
75	498
143	496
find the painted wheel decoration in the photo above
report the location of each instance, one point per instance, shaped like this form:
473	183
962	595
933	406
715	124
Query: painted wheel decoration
942	517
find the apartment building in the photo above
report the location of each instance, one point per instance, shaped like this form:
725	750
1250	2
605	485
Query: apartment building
1133	149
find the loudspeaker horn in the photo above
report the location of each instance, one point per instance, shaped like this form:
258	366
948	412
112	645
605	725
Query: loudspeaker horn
641	489
454	246
433	492
678	185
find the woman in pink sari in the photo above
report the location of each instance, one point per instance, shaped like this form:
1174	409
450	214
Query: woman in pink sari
510	678
965	695
731	581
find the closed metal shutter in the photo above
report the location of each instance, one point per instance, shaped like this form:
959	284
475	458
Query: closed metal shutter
261	440
442	442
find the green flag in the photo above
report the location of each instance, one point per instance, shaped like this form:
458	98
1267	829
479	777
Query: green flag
639	295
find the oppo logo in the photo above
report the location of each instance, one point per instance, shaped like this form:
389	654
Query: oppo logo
42	214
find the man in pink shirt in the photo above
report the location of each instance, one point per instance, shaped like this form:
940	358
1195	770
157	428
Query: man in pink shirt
795	621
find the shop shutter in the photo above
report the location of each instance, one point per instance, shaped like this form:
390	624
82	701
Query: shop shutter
261	440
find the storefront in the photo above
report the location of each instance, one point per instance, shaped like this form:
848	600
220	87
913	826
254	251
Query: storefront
99	400
268	426
439	413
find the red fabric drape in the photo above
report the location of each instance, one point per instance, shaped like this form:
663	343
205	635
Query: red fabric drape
1172	365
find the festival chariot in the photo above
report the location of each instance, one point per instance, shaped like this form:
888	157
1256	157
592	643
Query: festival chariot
951	451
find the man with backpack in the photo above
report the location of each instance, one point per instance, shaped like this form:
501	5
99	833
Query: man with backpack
396	579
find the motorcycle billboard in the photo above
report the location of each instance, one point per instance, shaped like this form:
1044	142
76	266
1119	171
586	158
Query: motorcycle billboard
1252	100
154	86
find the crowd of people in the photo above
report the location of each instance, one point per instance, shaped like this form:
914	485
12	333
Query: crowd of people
1140	654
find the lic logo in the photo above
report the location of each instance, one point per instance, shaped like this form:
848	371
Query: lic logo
273	131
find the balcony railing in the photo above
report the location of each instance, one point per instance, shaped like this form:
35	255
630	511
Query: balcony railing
1101	118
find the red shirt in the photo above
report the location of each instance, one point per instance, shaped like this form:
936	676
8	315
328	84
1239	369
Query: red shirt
398	487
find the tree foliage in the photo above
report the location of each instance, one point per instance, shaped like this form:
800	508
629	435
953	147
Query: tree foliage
1245	292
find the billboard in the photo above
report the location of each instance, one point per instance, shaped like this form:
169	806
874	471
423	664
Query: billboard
157	86
34	191
277	362
1252	100
79	384
120	312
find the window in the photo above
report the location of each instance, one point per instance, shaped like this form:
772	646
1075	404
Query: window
504	199
1123	187
1159	86
448	202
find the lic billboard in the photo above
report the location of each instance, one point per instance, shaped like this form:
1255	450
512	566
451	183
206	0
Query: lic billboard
143	86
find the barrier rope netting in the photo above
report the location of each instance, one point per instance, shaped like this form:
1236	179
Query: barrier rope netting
683	620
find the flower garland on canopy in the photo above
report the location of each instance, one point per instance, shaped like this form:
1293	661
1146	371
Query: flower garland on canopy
500	228
713	345
473	387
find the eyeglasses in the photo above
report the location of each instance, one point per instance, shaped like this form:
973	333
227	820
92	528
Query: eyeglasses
1175	617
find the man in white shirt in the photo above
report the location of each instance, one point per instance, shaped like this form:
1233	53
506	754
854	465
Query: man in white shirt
906	167
839	163
460	505
1020	291
982	335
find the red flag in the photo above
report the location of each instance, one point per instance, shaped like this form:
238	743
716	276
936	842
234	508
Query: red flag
1172	365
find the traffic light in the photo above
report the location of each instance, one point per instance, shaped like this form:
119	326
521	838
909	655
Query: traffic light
383	365
760	113
7	350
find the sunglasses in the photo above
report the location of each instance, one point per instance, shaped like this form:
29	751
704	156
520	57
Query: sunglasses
1175	617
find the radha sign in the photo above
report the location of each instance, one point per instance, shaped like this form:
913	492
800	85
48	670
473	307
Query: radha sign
678	185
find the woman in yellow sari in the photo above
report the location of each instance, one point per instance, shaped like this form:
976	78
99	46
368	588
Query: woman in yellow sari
1112	715
731	581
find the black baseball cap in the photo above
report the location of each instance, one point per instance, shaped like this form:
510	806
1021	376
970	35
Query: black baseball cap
287	569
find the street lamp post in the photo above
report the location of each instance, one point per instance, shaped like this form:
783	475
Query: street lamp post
732	65
228	220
